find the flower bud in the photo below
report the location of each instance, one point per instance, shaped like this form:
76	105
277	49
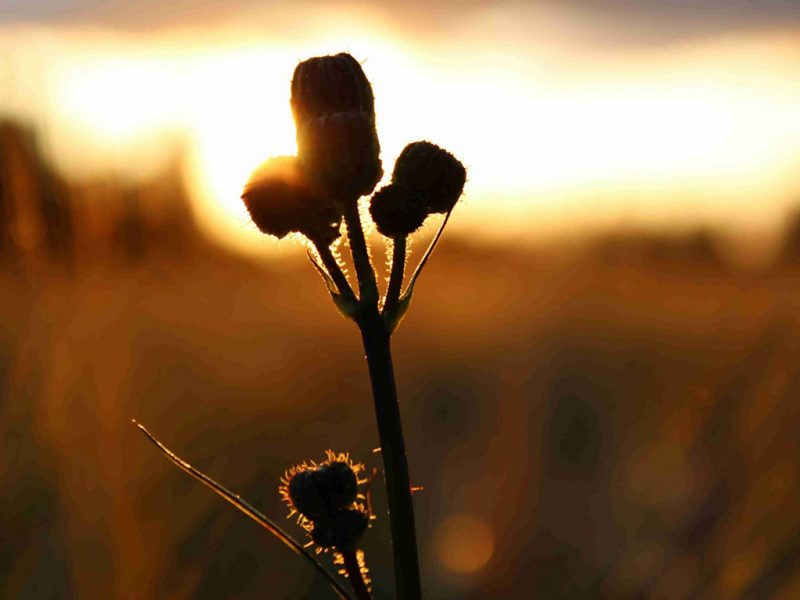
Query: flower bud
330	84
426	168
322	533
348	528
280	200
322	492
396	211
326	496
341	153
307	495
339	485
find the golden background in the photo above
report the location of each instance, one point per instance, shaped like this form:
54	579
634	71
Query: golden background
598	376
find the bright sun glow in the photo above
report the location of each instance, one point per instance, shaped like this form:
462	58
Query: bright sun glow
589	138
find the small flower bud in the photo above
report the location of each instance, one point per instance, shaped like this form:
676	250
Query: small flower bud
326	497
341	152
432	171
322	492
330	84
348	528
307	496
339	485
396	211
322	534
280	200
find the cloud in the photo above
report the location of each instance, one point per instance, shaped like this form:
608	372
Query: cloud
610	21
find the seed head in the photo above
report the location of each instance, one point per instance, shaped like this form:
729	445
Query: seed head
338	483
341	153
343	531
396	211
307	495
348	528
426	168
325	498
280	199
322	534
330	84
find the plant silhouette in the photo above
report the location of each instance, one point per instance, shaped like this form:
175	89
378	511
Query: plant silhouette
316	194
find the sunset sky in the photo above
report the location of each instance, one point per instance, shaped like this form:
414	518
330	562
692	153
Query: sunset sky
567	114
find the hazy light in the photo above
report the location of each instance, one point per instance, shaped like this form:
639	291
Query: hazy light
553	135
464	543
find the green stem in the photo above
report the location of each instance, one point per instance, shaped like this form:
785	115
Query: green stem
395	463
396	276
353	570
368	288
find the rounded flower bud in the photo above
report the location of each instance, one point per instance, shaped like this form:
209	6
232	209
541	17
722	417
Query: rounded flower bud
325	495
322	533
280	200
432	171
330	84
322	492
341	153
396	211
339	485
307	495
348	528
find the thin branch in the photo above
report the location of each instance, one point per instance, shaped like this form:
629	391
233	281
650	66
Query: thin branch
312	258
425	257
247	509
397	272
368	288
353	570
334	270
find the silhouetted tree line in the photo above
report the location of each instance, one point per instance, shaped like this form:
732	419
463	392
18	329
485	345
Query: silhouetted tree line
44	215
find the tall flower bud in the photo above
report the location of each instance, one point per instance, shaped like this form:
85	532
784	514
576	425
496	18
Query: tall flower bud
330	84
433	172
341	153
280	200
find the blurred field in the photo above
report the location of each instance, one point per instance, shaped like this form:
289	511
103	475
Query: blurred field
613	420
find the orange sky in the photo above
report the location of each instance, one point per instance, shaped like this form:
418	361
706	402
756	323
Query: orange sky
558	131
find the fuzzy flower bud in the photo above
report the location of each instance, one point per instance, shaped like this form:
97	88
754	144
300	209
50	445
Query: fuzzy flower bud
330	84
348	528
341	152
307	495
322	534
339	485
322	492
280	200
325	497
426	168
397	211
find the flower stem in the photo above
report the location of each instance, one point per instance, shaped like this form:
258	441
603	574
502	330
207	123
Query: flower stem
334	270
426	256
368	288
247	509
353	570
396	276
395	464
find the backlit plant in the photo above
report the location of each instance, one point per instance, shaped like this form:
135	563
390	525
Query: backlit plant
317	194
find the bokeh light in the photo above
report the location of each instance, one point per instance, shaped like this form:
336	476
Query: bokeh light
608	390
464	543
